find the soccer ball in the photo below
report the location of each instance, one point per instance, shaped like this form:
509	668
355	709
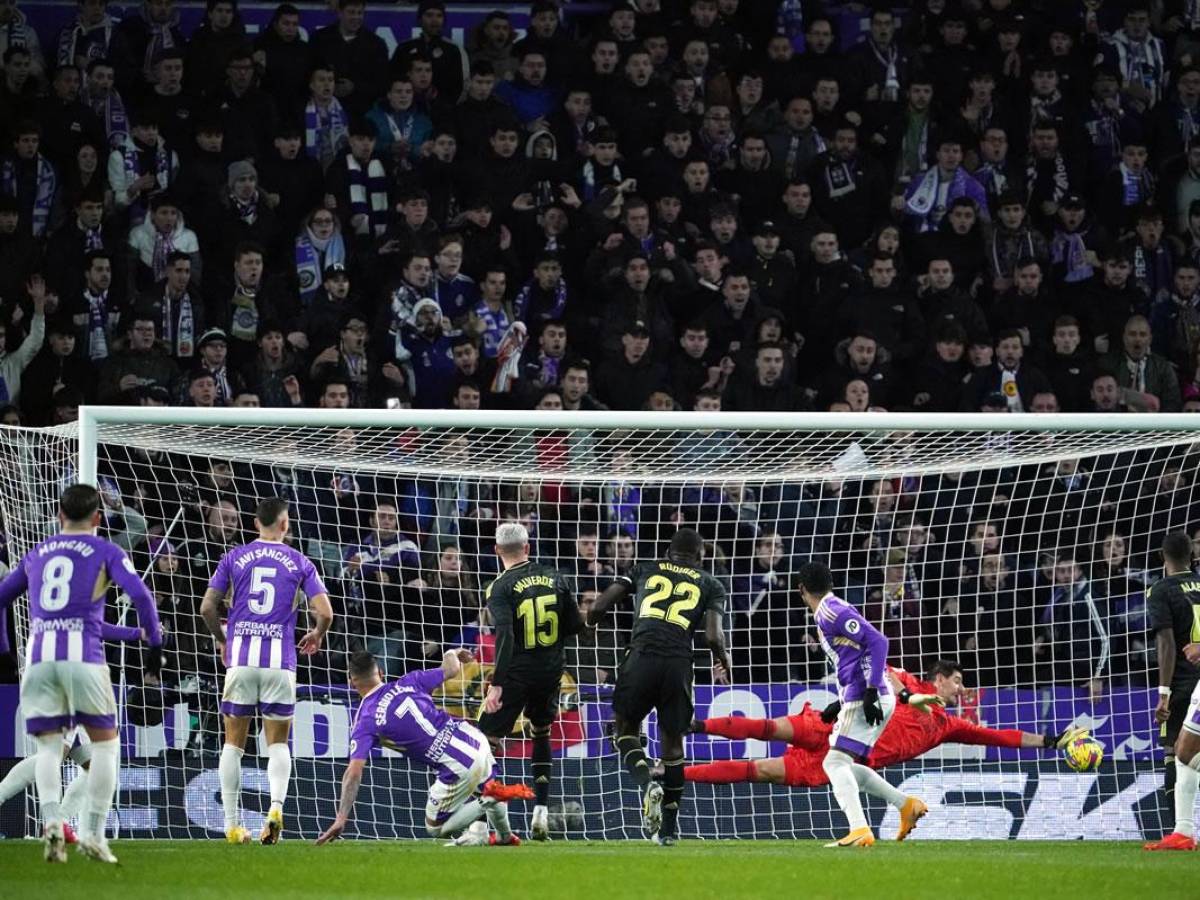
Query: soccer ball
1084	754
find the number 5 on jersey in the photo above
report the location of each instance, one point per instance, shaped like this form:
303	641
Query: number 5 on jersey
539	620
262	592
660	589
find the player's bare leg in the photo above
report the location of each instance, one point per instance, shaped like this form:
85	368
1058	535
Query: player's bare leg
539	827
101	785
230	770
48	777
633	756
1187	779
279	773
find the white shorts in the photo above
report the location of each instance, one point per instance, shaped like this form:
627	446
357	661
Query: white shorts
851	733
271	692
1191	722
58	694
450	791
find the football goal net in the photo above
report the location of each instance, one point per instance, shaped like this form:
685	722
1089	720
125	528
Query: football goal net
1021	547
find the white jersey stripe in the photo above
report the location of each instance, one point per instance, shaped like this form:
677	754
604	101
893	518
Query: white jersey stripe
276	653
235	651
48	646
253	656
75	646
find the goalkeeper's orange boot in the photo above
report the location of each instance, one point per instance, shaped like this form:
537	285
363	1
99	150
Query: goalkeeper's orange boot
859	837
69	834
505	792
511	841
1173	841
910	813
272	828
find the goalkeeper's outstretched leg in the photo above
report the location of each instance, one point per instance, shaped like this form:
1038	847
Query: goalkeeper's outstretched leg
808	729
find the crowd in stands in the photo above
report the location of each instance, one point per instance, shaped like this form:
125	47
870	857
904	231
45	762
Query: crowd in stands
672	204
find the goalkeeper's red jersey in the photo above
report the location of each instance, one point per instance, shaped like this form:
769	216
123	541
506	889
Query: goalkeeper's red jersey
908	734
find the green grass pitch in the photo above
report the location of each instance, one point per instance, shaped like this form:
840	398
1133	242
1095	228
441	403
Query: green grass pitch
693	869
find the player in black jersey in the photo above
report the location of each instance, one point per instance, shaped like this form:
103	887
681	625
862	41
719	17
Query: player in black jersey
534	611
1175	618
673	596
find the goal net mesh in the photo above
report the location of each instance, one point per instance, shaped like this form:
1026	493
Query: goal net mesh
1024	555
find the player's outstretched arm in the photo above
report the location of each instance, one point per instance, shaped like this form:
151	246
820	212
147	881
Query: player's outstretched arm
321	611
714	633
210	612
960	731
613	594
570	619
350	784
13	585
453	662
1164	641
110	632
125	576
501	611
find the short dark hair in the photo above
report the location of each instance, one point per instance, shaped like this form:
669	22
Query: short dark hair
686	543
92	255
944	667
361	664
79	502
1177	548
815	578
270	510
245	248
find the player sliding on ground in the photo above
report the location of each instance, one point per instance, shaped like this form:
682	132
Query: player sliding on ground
918	725
673	596
66	681
858	652
402	716
534	612
263	581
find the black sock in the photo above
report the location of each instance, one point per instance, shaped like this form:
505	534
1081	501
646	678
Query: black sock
634	758
672	795
541	767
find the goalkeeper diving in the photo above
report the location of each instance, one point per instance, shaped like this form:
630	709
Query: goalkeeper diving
919	724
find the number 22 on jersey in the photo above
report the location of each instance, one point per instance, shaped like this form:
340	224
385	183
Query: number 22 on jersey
660	589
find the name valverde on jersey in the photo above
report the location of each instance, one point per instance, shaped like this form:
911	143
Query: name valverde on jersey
264	580
67	577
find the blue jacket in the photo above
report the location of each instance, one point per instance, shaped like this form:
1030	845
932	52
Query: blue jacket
527	101
412	122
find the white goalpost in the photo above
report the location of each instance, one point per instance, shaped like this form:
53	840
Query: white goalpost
1020	546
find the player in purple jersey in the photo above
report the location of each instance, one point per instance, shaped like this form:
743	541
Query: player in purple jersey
858	653
76	745
66	679
402	716
261	583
